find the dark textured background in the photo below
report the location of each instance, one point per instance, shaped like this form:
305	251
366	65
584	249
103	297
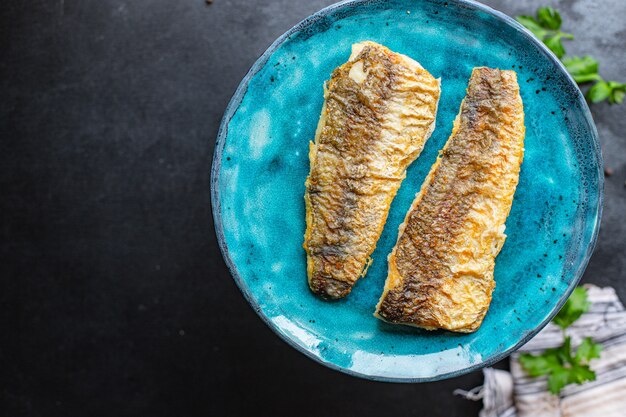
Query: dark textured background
115	299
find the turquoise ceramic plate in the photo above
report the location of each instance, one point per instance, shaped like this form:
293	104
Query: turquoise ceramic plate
261	163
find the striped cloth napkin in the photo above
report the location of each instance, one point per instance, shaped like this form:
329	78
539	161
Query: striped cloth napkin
515	394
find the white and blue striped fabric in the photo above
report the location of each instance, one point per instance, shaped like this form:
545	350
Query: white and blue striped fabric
515	394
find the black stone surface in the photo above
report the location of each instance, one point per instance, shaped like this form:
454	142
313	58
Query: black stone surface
115	299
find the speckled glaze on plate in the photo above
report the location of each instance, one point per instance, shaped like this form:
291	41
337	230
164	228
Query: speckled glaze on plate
261	162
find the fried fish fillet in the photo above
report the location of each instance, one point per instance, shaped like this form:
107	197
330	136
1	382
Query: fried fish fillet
379	110
441	269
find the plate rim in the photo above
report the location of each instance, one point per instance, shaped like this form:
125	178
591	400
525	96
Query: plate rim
234	104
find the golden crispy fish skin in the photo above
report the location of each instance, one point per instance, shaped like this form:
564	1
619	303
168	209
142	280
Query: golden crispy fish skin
441	269
379	110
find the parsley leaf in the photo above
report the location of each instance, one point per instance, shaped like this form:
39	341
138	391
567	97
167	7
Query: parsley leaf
558	379
580	373
574	307
531	24
607	90
540	365
588	350
561	367
549	18
560	364
599	92
617	92
573	374
583	69
546	27
554	43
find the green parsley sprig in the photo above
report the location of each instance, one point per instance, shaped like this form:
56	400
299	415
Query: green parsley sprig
546	26
561	364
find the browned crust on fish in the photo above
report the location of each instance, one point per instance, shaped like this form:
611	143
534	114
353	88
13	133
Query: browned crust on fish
379	111
441	269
